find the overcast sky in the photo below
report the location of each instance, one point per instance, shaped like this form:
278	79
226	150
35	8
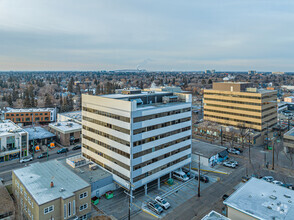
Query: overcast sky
148	34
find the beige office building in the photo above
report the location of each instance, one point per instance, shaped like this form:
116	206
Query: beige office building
50	191
238	104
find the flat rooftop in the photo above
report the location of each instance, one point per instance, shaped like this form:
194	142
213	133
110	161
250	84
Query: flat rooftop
126	96
206	149
66	126
36	178
262	200
38	133
213	215
9	127
29	110
86	173
76	115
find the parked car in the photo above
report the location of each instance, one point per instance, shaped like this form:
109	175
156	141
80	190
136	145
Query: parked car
245	179
234	162
162	202
233	151
77	147
62	150
278	182
229	164
153	206
42	155
225	196
289	186
238	149
26	159
203	178
268	178
180	175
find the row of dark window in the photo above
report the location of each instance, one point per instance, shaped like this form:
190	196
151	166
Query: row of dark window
142	176
161	157
160	136
159	115
162	146
111	137
127	167
107	146
107	125
162	125
107	114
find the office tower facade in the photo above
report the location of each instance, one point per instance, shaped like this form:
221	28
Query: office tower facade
137	136
238	104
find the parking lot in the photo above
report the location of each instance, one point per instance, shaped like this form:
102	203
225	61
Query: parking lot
175	194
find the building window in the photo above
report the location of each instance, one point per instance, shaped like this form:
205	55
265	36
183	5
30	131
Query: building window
49	209
83	207
69	211
25	195
29	212
29	201
64	211
74	207
83	217
21	189
83	195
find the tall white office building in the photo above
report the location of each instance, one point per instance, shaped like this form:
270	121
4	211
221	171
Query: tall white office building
138	136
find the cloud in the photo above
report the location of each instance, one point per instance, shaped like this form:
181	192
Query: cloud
154	35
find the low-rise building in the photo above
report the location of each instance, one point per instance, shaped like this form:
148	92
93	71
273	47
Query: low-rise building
40	136
289	99
258	199
75	116
67	133
13	141
50	191
100	180
289	141
26	116
210	154
7	209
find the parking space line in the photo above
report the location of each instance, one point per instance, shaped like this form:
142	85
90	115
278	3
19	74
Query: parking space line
146	211
149	197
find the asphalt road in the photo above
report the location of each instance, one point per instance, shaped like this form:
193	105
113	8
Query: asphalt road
6	169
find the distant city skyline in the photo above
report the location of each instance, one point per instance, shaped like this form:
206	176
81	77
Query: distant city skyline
232	35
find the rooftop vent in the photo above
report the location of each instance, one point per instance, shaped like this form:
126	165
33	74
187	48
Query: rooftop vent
273	197
57	124
61	190
287	196
51	184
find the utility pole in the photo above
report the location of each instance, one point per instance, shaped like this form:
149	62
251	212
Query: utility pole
198	175
267	135
221	134
273	167
130	198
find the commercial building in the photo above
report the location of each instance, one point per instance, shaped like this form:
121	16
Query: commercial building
14	141
289	99
75	116
100	180
50	191
67	133
289	141
137	136
40	136
238	104
210	154
28	115
258	199
7	209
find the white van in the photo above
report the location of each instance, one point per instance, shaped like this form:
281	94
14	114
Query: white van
180	175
